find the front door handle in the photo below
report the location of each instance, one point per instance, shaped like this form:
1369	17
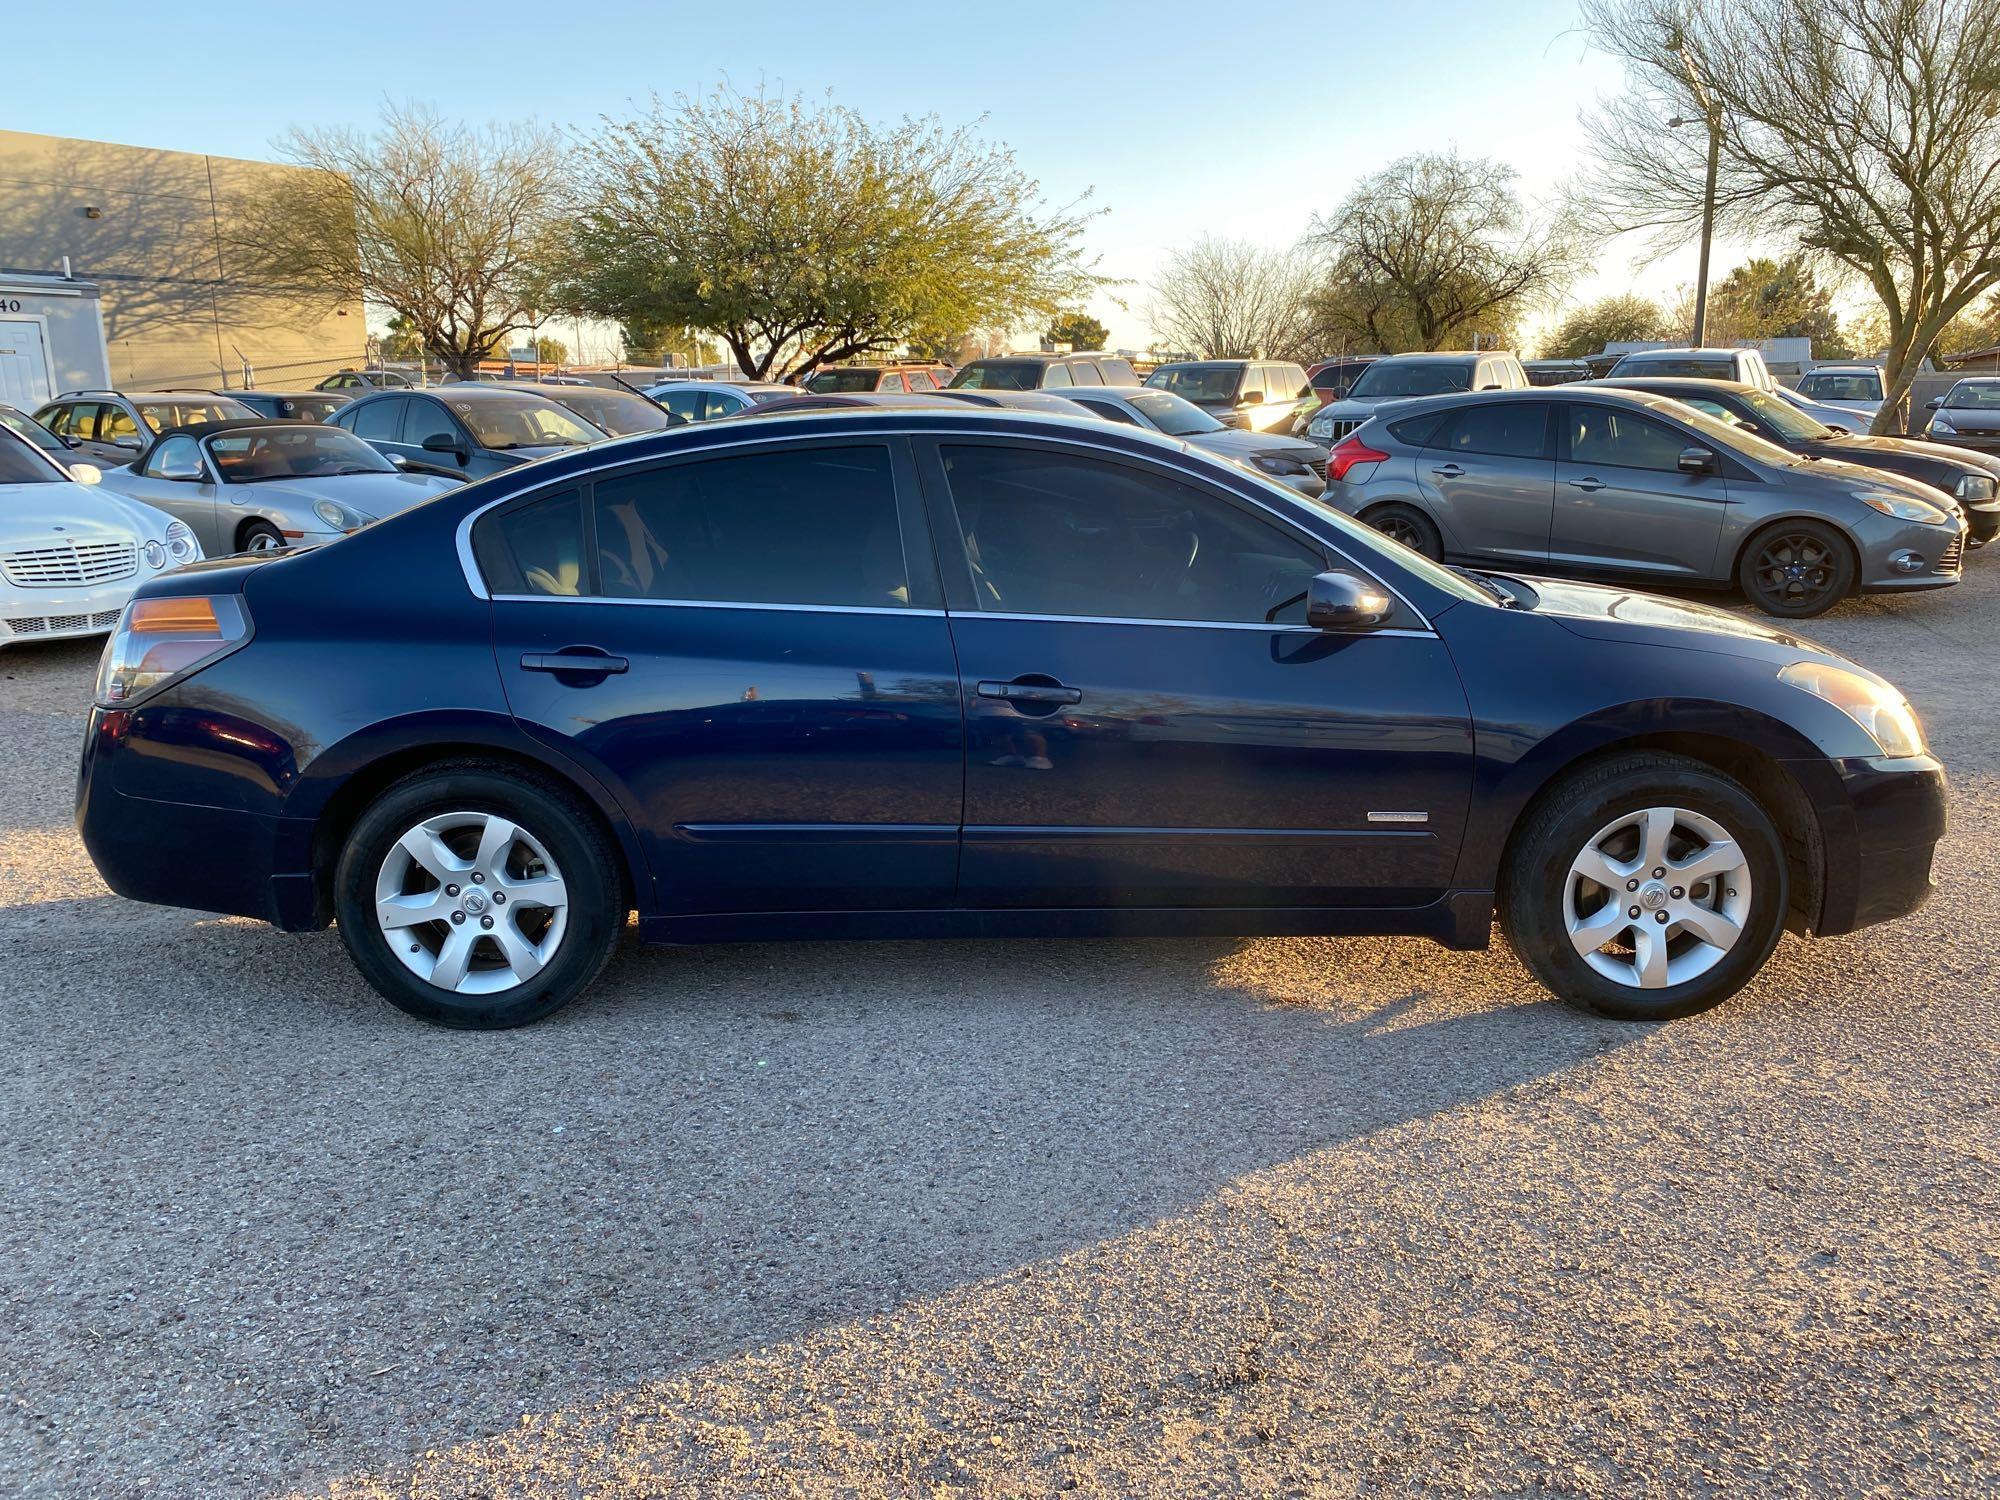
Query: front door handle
578	661
1448	471
1041	691
1586	484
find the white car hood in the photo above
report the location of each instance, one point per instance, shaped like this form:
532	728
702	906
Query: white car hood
33	514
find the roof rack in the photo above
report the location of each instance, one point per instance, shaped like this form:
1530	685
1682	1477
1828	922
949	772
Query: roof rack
89	390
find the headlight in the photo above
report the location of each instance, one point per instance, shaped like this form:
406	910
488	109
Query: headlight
1976	488
337	516
1278	463
158	640
155	554
1941	423
1320	427
181	545
1882	712
1903	508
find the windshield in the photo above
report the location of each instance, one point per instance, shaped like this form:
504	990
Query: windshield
1974	396
833	382
998	375
1860	387
1733	435
1172	415
615	412
1428	377
160	415
257	454
32	430
21	464
523	421
1212	385
1784	418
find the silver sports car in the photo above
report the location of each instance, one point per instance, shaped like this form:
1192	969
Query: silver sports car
252	486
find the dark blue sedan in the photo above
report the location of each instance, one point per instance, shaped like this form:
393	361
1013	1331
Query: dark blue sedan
927	673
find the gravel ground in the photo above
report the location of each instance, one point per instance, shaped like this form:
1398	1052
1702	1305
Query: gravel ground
1283	1217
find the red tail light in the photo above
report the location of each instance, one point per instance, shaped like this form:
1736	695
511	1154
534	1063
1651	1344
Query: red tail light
1348	452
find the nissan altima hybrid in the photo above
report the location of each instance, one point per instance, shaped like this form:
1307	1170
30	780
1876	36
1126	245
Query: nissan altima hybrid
913	673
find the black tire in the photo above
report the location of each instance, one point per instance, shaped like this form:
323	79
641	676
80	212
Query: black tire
542	808
1410	526
258	536
1797	569
1535	881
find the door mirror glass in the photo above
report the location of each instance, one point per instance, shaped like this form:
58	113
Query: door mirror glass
1341	601
1697	461
86	473
443	442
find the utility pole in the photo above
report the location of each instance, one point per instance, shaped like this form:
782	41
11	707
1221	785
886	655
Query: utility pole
1713	121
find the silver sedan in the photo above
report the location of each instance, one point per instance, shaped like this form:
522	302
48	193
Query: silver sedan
253	486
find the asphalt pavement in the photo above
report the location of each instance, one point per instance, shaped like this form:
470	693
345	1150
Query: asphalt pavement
1112	1218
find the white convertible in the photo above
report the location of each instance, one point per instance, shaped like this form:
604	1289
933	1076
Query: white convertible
71	553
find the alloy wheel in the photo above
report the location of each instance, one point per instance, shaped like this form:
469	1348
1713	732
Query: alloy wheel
1796	569
1401	529
1657	897
471	902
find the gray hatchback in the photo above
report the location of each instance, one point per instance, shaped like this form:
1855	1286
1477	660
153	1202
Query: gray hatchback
1629	486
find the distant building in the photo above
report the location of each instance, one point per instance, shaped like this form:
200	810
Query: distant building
151	231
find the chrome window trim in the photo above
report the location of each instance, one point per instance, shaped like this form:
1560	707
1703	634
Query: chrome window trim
811	609
477	584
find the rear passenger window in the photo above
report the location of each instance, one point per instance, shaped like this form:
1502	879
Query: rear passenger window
920	381
535	548
1056	375
1507	429
806	526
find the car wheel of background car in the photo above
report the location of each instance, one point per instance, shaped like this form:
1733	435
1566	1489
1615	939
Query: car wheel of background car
1645	887
259	536
476	896
1797	569
1410	526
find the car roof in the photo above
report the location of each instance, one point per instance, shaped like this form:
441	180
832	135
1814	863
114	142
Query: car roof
1416	356
543	388
1859	367
283	395
1708	349
1693	384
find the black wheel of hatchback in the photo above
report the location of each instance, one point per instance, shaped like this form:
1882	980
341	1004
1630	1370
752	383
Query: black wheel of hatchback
1410	526
476	896
1645	887
1797	569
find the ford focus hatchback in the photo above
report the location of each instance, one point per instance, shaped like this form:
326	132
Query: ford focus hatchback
916	672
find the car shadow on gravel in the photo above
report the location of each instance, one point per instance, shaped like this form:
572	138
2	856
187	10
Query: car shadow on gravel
716	1149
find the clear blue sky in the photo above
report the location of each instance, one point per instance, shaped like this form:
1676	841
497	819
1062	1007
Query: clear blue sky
1182	119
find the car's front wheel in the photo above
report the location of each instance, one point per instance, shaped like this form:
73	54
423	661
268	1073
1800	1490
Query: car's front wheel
1797	569
478	896
1645	887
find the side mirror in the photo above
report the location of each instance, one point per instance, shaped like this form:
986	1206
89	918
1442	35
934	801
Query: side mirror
1250	398
1341	601
127	442
1697	461
444	442
1934	403
86	473
399	461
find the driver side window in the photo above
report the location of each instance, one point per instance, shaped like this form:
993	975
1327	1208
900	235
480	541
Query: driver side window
1069	534
177	458
1618	439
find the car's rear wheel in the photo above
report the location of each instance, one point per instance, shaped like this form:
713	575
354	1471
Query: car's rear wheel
259	536
1645	887
1797	569
1410	526
476	896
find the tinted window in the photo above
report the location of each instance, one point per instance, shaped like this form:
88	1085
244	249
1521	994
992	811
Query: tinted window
829	382
1509	429
806	526
34	432
1429	377
1111	411
684	404
21	464
998	375
1417	430
1052	533
381	421
1720	367
535	549
1619	439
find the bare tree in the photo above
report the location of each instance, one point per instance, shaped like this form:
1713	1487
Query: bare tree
446	227
1864	132
1228	299
1435	247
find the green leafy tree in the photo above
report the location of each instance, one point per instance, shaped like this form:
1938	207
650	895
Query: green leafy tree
652	341
1624	318
551	351
798	233
1079	330
1769	299
401	343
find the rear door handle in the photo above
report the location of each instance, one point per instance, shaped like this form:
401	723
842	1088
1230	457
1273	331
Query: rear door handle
1448	471
1586	484
584	661
1031	692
